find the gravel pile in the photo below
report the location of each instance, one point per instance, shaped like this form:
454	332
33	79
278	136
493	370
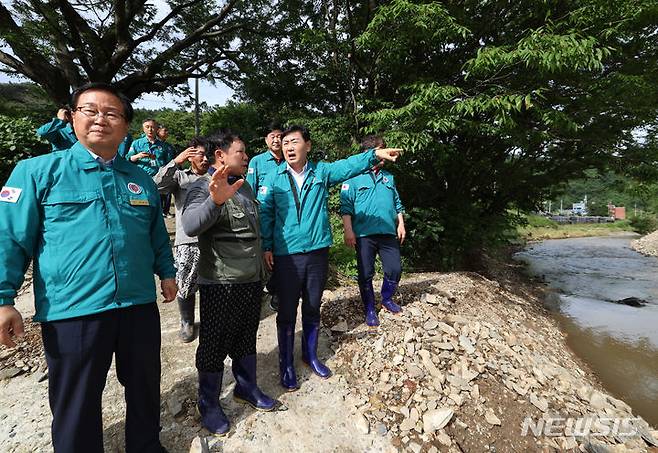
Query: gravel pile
647	245
461	368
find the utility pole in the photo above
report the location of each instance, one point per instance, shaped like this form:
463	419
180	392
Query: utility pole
196	107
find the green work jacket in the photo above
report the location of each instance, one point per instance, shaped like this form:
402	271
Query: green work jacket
59	133
373	203
294	221
260	166
94	233
158	149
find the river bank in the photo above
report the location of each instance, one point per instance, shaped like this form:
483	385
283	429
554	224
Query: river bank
575	230
647	245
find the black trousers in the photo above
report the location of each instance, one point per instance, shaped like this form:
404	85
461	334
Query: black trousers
305	274
79	353
389	251
230	315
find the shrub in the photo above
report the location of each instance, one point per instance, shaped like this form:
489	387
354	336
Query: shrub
18	141
644	223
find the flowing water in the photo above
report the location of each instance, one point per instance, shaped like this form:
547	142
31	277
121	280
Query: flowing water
619	342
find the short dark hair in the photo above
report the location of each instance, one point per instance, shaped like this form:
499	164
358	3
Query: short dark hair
371	141
274	126
200	141
306	135
148	120
220	140
127	105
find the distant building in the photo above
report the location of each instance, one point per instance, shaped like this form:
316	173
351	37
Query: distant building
616	212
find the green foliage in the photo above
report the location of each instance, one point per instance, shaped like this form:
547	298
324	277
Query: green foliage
18	141
19	100
644	224
537	221
245	119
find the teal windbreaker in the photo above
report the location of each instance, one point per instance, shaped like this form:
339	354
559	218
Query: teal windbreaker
373	203
95	234
300	224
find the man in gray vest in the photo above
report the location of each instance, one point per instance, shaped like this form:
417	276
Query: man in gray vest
175	180
230	278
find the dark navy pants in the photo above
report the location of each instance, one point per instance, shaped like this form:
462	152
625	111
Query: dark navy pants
367	249
79	354
305	274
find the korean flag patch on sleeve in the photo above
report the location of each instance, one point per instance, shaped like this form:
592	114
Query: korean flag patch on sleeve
10	194
250	170
263	190
345	187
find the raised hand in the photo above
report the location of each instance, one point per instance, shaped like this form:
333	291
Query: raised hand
388	153
219	188
182	157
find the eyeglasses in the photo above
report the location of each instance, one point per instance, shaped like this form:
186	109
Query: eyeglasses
112	117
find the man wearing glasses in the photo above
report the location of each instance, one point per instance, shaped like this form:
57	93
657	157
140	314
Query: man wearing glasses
91	225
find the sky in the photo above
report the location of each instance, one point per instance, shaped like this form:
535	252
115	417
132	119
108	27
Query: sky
211	95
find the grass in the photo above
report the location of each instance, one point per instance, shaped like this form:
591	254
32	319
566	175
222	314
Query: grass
542	228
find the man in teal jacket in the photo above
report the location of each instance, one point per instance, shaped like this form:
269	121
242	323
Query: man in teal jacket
59	131
296	239
260	166
373	223
91	225
148	151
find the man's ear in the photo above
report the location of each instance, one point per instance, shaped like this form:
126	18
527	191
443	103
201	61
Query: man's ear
219	156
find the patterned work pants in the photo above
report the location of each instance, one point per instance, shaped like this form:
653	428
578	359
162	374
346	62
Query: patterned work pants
230	314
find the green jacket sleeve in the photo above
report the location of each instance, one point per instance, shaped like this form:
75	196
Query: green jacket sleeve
266	212
51	130
347	198
348	168
20	225
164	258
399	207
252	175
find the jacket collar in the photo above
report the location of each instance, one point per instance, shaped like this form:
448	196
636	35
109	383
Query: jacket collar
310	168
87	162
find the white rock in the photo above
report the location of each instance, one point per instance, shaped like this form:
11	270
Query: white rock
340	327
444	439
199	445
491	418
456	398
362	424
539	403
408	335
431	324
598	401
379	344
436	419
466	343
407	424
447	329
432	299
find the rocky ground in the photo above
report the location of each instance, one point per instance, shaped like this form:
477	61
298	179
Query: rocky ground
647	245
459	369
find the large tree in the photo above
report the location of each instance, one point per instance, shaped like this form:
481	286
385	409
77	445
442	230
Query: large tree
496	102
61	44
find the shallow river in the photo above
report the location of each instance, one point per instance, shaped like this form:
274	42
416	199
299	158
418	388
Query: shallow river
619	342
